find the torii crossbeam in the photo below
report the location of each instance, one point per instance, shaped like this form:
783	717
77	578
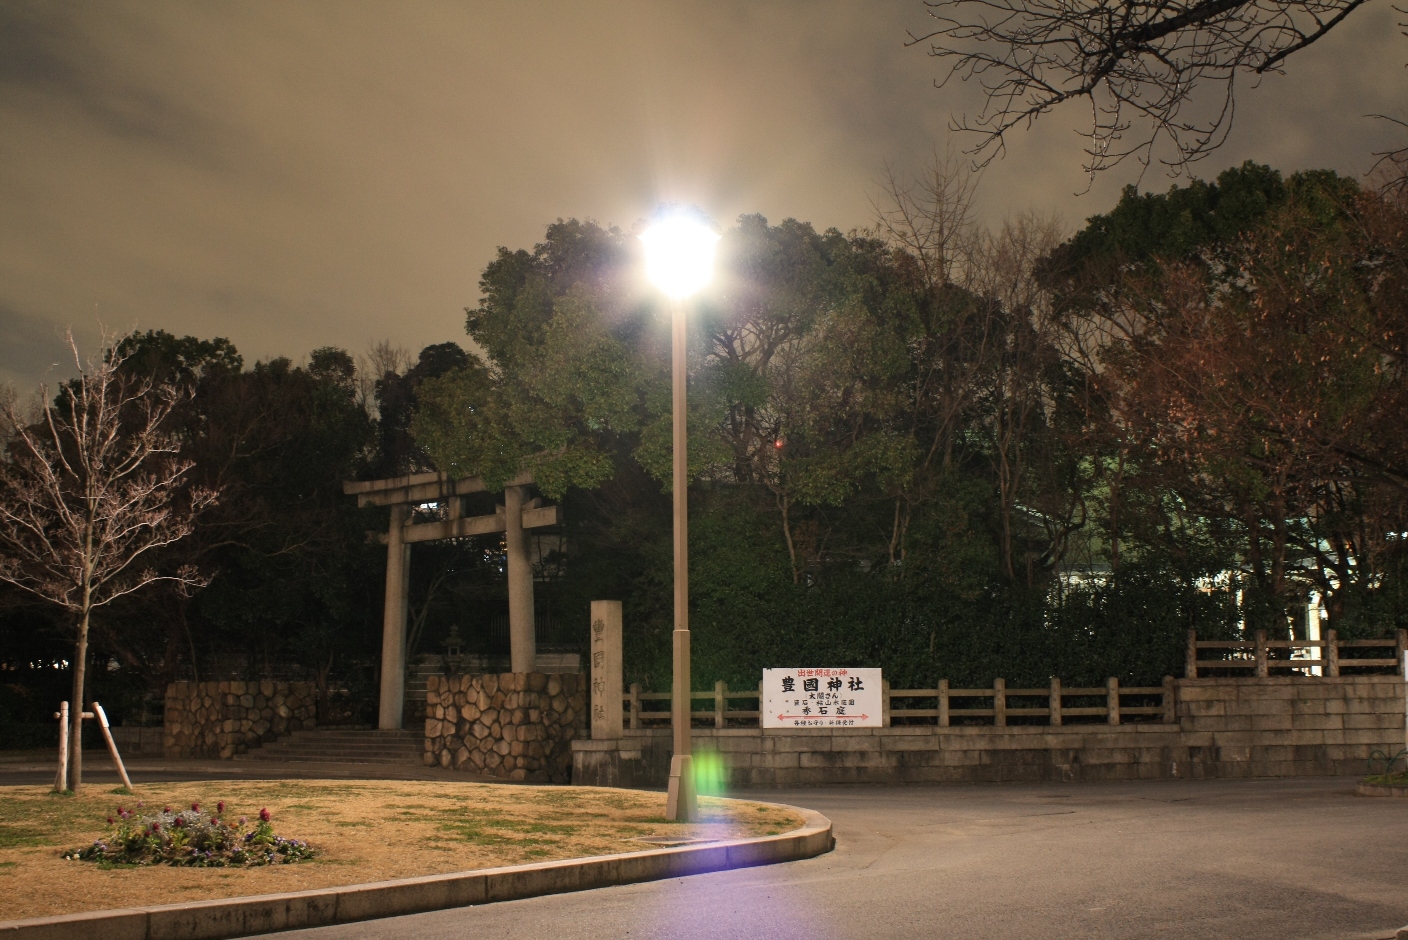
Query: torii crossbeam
513	518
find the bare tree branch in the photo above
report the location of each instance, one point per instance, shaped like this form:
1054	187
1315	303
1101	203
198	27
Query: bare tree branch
1134	61
1391	169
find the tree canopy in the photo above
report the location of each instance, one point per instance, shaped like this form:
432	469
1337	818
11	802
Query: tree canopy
952	451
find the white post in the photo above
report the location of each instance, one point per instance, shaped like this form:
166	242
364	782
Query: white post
1313	632
112	745
61	779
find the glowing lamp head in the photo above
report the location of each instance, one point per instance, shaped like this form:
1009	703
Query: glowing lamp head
679	253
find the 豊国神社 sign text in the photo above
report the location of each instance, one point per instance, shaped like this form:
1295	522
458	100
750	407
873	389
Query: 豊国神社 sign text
822	698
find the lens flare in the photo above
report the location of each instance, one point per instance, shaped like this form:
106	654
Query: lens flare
710	773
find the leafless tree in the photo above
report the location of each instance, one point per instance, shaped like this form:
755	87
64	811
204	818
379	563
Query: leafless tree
380	358
90	491
1133	62
981	358
932	216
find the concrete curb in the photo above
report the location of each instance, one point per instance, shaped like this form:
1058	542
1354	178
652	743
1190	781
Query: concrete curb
266	913
1379	789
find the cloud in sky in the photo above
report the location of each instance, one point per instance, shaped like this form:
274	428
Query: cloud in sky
294	174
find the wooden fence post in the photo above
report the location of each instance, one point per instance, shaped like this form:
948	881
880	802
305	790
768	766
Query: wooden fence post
885	703
61	778
1054	702
1170	701
1402	649
1112	700
1261	654
635	705
943	703
720	703
1190	662
999	703
1332	653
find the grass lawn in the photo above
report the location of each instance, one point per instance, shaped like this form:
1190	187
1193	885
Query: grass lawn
364	831
1399	779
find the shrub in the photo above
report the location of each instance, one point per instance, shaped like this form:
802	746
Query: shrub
192	838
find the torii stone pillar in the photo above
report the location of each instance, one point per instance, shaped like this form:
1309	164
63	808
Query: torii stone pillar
393	633
522	639
518	515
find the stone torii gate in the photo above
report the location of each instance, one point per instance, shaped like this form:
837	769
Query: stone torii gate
513	518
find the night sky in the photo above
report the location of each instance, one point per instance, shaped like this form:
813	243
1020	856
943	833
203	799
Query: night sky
295	174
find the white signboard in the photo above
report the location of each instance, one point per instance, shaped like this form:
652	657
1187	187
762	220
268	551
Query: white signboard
822	698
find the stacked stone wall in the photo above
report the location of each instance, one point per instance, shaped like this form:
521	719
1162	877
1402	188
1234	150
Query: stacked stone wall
222	719
515	725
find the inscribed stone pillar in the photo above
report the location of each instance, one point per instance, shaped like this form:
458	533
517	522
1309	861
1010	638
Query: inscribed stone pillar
521	639
393	630
606	670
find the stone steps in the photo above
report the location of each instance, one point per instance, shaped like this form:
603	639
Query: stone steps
343	746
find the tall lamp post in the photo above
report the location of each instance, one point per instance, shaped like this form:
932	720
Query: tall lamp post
679	260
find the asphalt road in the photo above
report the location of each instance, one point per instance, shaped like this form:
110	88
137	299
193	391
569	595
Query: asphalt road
1301	858
1207	859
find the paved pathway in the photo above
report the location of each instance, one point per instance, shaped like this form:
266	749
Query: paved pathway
1277	859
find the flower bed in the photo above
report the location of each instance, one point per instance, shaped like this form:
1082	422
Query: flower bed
192	838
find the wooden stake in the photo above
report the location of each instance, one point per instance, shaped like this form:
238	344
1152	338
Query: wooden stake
61	779
112	745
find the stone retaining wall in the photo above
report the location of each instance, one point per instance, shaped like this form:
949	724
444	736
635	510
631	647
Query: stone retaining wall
515	725
222	719
1272	727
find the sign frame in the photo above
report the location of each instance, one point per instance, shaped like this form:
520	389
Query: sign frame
825	698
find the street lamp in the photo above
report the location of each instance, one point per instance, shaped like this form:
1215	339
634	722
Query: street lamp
679	260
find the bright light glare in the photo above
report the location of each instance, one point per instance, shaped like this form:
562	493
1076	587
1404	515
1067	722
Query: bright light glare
679	254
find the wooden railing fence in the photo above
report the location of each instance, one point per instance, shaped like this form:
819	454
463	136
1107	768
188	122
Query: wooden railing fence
999	705
1263	657
995	705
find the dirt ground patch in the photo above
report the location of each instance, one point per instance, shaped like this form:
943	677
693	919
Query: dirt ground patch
364	830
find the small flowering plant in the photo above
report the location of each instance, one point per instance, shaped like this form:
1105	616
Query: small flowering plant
192	838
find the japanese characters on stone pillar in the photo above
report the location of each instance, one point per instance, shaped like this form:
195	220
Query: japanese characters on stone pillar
606	670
